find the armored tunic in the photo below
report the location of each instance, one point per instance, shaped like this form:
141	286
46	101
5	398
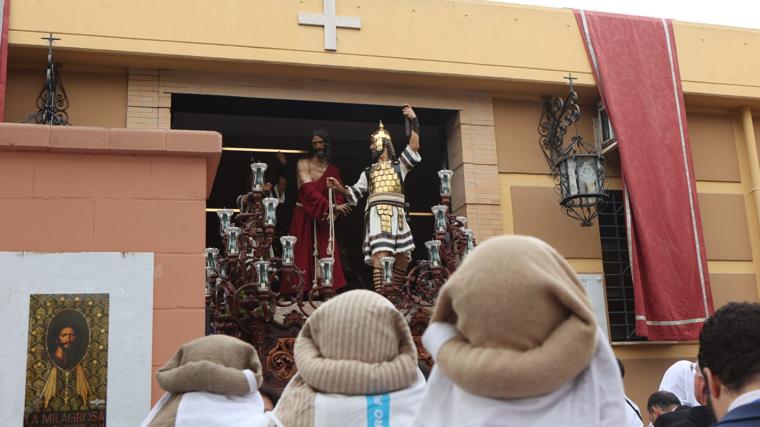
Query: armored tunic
385	226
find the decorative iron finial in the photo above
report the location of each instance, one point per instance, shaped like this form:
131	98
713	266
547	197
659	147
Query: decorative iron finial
50	40
570	79
52	100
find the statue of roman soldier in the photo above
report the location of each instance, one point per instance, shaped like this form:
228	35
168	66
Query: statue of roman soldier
386	231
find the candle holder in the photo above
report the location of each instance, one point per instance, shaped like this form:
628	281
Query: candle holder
439	215
262	274
251	248
470	241
326	268
212	265
257	181
386	263
445	187
225	219
288	245
233	234
434	252
270	211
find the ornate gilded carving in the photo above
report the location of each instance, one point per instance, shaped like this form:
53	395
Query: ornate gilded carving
280	360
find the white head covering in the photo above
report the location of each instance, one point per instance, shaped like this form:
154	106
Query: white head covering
594	398
679	380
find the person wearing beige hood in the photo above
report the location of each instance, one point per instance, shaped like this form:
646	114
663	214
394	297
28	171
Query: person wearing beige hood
357	366
515	343
210	381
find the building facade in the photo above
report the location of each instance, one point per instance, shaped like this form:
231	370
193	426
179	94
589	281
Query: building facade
488	65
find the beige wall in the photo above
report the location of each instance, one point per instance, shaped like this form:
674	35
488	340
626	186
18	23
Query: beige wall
74	189
530	206
95	98
432	37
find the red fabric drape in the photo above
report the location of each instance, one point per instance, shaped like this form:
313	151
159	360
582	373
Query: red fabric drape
636	70
313	200
4	18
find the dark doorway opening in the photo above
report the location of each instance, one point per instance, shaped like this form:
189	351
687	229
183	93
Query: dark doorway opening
255	127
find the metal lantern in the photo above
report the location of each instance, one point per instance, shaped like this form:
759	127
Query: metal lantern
445	176
326	268
386	263
270	211
288	243
581	185
258	169
439	215
225	219
233	247
434	252
578	167
262	273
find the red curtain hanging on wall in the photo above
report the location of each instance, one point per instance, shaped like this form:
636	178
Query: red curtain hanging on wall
636	70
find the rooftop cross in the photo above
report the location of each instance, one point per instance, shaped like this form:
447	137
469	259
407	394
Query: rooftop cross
50	40
570	79
331	22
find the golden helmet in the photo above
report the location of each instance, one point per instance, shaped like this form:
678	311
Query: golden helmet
379	136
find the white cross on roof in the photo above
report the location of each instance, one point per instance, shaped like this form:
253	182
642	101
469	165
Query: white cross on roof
331	22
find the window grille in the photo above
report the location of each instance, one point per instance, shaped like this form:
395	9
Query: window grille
617	269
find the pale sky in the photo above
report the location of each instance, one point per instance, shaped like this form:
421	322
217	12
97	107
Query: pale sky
733	13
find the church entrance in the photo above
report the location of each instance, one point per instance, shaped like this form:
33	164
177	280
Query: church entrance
258	128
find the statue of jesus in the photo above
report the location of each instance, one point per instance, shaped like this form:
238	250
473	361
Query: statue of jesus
310	223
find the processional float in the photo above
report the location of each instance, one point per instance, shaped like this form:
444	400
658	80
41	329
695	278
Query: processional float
245	281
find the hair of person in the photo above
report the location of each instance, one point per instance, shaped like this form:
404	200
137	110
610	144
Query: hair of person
729	342
621	366
322	133
662	399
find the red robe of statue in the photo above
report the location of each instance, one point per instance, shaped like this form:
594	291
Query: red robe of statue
312	206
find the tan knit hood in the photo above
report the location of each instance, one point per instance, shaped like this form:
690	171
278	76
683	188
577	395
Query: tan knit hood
526	324
213	364
357	343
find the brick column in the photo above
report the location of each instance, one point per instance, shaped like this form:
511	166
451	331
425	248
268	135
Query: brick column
79	189
472	157
147	107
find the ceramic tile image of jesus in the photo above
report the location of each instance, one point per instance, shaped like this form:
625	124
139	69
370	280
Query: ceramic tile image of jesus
67	360
67	339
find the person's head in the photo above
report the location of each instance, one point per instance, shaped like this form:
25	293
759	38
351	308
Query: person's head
355	344
66	337
321	146
380	142
342	343
700	388
728	354
661	402
518	298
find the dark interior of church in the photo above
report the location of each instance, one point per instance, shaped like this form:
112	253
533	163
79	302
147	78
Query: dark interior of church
258	128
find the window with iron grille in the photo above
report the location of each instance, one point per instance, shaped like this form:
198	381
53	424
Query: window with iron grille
617	269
